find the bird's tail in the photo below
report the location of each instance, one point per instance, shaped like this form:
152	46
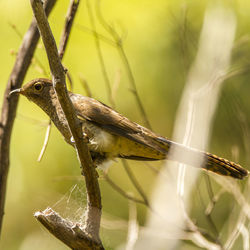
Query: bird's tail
224	167
180	153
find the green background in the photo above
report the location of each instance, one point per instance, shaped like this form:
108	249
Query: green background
160	40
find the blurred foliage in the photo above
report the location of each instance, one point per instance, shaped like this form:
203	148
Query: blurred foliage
160	40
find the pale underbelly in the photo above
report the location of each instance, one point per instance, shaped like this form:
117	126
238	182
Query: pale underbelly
119	146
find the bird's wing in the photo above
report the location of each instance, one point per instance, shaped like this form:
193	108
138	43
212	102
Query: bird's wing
115	123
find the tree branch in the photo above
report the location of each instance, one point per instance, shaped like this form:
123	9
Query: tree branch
9	106
61	51
121	191
67	27
135	182
92	224
66	231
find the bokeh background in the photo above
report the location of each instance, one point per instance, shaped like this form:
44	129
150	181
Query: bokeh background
160	39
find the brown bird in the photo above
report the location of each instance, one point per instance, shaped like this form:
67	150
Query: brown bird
112	135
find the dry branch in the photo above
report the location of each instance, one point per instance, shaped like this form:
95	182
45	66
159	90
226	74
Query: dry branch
122	192
61	51
119	46
9	106
135	182
93	215
67	27
70	233
100	56
46	140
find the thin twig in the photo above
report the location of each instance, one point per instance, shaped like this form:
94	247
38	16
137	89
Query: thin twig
121	191
67	27
135	182
9	106
71	83
213	201
19	34
100	55
198	235
100	36
104	71
61	51
93	213
154	169
125	60
32	120
46	139
232	188
209	219
34	59
39	66
208	215
233	236
116	84
86	86
133	227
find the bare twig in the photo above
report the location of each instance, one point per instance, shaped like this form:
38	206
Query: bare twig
125	60
32	120
13	26
85	86
62	48
9	106
213	201
67	27
71	84
133	227
233	188
210	221
46	139
110	95
208	215
69	233
154	169
233	236
121	191
41	69
100	55
100	36
93	216
198	236
116	84
39	66
35	59
135	182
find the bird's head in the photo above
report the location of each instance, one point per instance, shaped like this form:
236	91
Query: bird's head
39	91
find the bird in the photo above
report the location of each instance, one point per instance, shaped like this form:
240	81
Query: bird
111	135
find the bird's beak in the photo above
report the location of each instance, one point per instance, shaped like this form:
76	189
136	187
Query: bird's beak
16	91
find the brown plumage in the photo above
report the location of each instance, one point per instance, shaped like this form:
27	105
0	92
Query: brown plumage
112	135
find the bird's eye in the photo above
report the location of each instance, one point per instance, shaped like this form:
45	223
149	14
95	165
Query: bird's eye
38	86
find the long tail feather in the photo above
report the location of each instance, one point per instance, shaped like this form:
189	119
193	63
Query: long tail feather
180	153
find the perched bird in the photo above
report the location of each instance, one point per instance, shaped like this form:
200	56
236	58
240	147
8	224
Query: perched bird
111	135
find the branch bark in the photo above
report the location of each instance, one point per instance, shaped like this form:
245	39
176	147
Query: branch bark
71	234
9	106
61	51
93	215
